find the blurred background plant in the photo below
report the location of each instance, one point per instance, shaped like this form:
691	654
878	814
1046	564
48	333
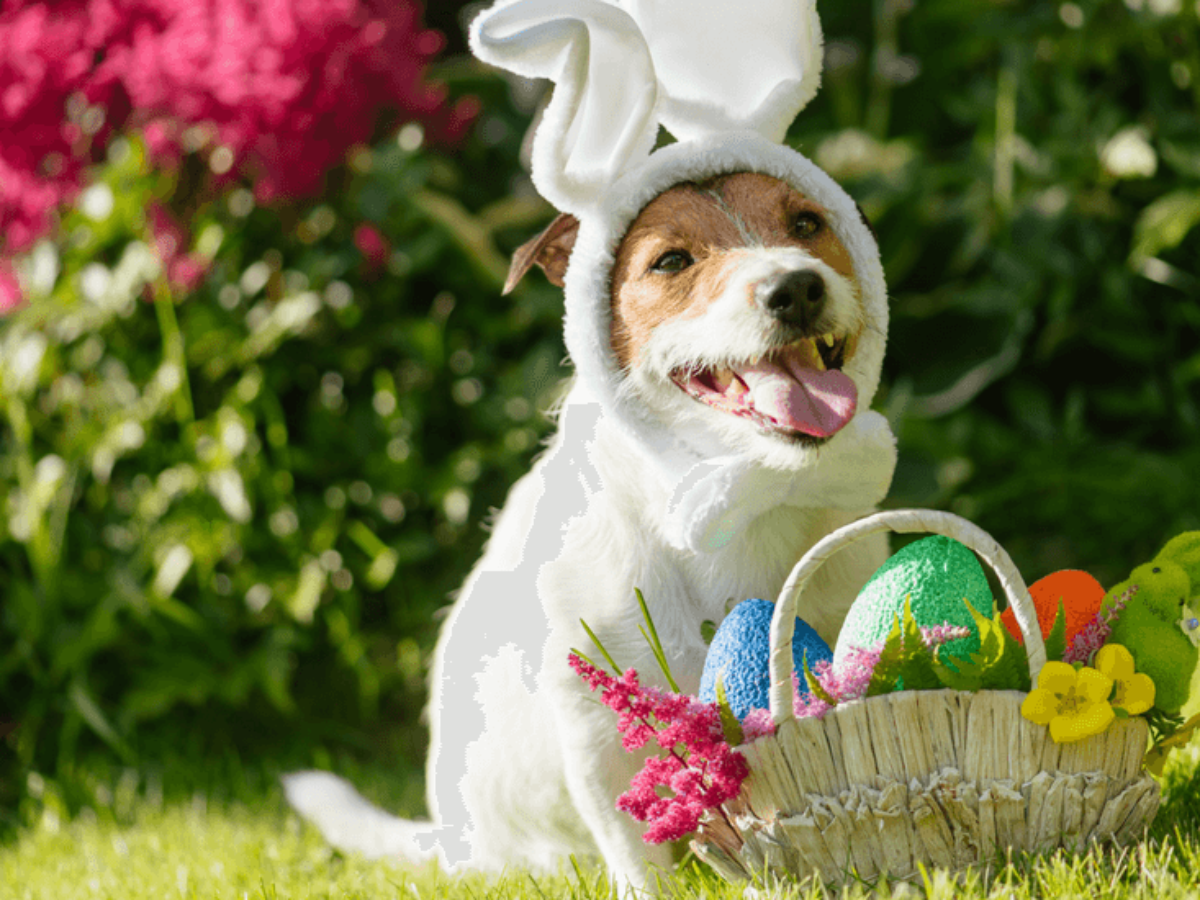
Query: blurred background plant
259	392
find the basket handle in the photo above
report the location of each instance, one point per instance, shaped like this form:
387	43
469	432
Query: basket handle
901	521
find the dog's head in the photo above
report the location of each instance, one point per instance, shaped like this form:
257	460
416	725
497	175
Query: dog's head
735	310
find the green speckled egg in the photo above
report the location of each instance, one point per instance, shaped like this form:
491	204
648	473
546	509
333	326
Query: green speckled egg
938	572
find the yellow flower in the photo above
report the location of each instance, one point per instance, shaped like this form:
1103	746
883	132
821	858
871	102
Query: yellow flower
1073	703
1134	690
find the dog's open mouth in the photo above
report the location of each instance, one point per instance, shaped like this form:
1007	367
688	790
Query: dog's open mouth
795	391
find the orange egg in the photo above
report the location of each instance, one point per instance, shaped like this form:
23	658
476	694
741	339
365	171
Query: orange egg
1081	595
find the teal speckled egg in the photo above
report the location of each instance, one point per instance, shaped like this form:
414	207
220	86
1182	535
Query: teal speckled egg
740	654
937	572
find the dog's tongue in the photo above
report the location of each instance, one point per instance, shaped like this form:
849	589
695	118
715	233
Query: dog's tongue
814	401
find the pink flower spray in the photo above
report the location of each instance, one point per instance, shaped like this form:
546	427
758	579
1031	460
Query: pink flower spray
700	771
1091	637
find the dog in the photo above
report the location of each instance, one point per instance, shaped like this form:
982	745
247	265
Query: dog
736	311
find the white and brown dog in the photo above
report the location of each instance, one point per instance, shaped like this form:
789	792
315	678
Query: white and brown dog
745	322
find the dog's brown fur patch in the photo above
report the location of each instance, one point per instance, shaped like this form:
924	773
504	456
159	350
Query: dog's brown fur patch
711	222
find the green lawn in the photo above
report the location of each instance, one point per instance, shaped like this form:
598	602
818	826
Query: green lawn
142	836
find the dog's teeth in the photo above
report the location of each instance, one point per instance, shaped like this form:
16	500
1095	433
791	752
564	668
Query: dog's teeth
829	340
723	378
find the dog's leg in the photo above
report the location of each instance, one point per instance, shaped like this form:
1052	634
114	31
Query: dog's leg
597	771
592	580
495	770
495	775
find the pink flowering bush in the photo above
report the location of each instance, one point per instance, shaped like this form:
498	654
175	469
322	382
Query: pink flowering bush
261	425
373	246
170	238
285	86
10	290
46	60
274	93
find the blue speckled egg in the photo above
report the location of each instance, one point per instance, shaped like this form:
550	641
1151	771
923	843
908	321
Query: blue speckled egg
938	573
740	651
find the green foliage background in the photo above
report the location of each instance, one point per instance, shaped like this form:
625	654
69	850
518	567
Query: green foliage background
228	521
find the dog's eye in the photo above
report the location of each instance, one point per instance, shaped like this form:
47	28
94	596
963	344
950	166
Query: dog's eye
808	224
672	261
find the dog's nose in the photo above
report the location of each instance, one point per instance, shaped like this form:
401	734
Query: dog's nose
796	299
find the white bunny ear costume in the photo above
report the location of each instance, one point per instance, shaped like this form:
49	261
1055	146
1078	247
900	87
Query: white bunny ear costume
726	79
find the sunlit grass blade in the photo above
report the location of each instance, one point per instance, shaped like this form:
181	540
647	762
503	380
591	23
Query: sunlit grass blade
655	644
599	646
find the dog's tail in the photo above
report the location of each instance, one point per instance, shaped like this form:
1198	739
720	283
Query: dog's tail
349	822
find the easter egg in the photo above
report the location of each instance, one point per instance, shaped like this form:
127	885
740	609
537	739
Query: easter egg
938	573
1081	595
739	656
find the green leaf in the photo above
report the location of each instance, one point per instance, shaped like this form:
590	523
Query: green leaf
90	712
965	680
176	611
599	646
1056	641
729	722
1000	665
383	558
1165	223
466	229
650	633
916	670
1012	670
887	670
905	663
814	686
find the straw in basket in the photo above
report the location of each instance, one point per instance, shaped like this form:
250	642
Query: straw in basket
943	778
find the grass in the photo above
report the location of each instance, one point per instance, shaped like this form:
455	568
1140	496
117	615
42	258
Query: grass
225	833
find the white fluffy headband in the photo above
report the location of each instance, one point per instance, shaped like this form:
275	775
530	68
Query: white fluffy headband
725	78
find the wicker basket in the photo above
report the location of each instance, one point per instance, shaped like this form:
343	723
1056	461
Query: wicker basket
941	778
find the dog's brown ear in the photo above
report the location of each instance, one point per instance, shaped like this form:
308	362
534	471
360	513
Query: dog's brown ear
551	250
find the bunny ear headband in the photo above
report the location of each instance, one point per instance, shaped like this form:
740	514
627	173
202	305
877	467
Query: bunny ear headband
700	68
726	79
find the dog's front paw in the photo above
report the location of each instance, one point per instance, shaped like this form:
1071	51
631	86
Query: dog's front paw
862	464
706	508
719	498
